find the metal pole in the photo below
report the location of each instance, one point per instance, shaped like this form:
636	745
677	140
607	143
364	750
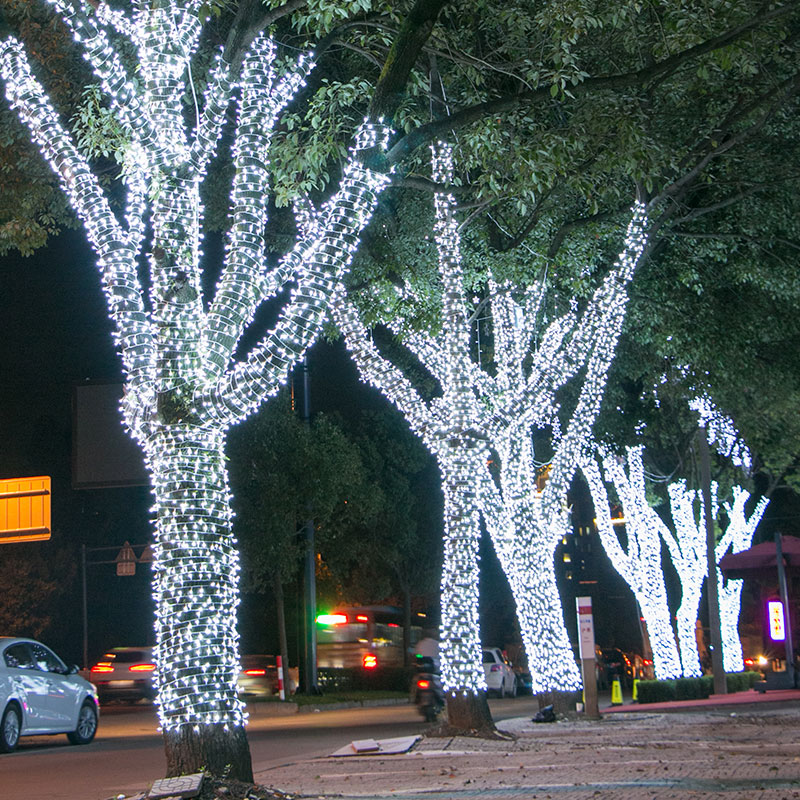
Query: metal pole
788	641
85	612
717	666
310	684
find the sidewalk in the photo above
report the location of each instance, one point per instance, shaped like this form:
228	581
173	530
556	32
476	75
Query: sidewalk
739	746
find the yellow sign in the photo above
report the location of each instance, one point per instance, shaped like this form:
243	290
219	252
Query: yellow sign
24	509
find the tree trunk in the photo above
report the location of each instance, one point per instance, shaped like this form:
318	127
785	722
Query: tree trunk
281	616
460	645
406	625
196	592
469	714
213	748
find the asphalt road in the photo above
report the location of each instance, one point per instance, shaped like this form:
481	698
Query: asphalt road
127	755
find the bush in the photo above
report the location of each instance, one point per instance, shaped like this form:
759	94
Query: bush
693	688
741	681
656	691
357	679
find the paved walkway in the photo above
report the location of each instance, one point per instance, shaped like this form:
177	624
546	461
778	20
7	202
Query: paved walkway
733	747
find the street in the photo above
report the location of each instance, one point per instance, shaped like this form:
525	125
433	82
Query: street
128	755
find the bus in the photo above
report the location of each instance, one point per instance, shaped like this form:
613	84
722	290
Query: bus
364	636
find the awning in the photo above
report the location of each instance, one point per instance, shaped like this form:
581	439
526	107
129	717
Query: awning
761	559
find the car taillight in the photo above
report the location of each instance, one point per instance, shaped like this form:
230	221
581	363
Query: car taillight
255	672
423	684
102	668
142	667
370	661
496	668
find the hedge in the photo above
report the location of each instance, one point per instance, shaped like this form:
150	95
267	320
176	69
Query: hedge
693	688
359	679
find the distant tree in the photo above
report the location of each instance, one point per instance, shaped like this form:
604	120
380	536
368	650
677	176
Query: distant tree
284	473
35	578
396	550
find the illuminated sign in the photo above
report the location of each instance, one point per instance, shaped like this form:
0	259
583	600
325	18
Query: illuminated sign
777	625
24	510
370	661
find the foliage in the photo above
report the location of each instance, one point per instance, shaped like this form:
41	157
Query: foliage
395	550
283	472
34	577
692	688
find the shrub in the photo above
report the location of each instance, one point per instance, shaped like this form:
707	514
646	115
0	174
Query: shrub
656	691
741	681
332	679
693	688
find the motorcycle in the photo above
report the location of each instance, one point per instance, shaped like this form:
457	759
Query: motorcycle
428	694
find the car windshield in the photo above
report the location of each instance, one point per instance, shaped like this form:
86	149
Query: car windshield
488	657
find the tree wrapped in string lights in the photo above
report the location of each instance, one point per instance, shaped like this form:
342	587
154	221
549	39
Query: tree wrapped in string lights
687	549
639	562
185	382
738	536
479	413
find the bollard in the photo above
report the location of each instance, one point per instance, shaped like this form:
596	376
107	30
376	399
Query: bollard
635	697
281	689
616	692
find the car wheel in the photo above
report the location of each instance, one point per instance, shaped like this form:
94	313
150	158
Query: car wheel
513	692
87	724
10	726
501	692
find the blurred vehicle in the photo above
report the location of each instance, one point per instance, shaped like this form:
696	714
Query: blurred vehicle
524	682
258	677
40	694
427	688
500	677
642	668
125	673
617	665
364	636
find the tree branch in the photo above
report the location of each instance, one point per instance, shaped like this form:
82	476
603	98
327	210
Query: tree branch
440	128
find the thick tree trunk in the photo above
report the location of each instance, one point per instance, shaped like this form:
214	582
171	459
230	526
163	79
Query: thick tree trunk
214	748
469	714
195	586
460	649
541	617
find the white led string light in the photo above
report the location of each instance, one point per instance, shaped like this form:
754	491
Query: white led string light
639	564
183	389
476	409
738	536
687	548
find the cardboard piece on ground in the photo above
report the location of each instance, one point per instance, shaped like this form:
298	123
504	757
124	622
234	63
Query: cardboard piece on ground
380	747
184	786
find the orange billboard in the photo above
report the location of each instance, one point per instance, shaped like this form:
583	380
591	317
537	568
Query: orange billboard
24	509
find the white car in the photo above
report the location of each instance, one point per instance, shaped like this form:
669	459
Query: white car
500	677
125	673
40	694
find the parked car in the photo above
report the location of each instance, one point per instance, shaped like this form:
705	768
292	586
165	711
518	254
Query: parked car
500	677
258	676
40	694
125	673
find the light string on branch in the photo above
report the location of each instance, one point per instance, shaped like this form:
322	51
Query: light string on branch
639	563
183	387
480	413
